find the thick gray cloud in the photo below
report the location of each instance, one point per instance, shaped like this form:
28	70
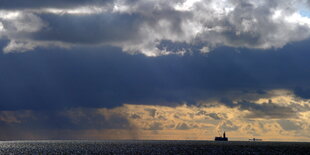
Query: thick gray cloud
57	79
289	125
268	110
264	110
73	119
64	124
302	92
95	29
141	26
31	4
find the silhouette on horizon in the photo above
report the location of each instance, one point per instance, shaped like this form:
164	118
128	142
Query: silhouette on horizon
224	138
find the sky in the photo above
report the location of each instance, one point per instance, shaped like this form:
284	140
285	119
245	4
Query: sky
155	69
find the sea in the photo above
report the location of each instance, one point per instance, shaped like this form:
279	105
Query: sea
84	147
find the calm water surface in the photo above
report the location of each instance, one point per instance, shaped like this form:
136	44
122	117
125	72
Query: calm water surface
151	147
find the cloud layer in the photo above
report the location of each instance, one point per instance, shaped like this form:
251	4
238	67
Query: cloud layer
141	26
282	116
96	78
194	67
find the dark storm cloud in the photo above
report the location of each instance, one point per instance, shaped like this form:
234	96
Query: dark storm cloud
30	4
103	28
138	26
61	124
302	92
80	61
106	29
107	77
74	119
267	110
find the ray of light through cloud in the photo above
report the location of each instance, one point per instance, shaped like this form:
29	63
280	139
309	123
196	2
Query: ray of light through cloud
155	69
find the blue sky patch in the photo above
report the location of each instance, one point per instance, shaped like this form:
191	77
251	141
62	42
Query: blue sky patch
305	13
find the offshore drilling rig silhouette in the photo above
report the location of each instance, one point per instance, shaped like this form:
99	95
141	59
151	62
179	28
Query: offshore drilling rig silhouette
224	138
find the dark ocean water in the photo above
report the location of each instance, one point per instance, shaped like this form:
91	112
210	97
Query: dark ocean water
151	147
